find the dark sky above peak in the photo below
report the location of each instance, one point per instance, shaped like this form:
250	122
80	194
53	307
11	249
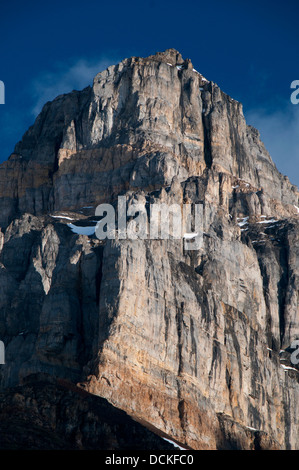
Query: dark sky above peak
250	49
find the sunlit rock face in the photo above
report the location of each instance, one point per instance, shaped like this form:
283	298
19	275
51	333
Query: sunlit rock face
195	343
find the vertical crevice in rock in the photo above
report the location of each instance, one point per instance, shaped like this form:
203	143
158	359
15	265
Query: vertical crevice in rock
287	420
257	441
207	142
221	189
271	340
193	346
183	415
282	290
179	325
167	321
216	359
181	402
80	325
229	331
98	281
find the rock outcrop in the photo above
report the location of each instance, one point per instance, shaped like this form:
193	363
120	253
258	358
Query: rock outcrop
195	343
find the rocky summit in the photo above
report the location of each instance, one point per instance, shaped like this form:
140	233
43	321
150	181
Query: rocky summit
194	345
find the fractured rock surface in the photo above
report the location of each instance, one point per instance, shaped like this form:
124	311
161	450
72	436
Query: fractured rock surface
195	343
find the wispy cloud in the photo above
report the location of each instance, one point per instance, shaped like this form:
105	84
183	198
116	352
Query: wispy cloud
280	133
60	78
64	78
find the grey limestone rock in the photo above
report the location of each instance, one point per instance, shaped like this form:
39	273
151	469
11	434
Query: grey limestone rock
195	343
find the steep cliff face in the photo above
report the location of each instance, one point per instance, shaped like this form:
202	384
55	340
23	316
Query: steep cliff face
143	122
195	343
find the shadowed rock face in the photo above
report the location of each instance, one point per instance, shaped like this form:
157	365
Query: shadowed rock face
60	416
190	342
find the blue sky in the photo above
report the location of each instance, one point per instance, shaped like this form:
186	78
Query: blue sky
249	48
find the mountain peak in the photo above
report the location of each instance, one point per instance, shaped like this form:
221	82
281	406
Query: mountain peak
170	56
189	343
